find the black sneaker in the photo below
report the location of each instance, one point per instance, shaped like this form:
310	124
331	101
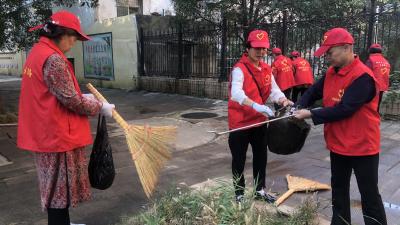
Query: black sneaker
239	198
265	197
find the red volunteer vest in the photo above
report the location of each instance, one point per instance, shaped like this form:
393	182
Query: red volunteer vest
359	134
381	69
282	69
242	115
303	73
44	124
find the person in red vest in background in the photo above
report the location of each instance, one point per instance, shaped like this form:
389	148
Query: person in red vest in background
349	93
303	75
53	117
381	68
282	69
250	85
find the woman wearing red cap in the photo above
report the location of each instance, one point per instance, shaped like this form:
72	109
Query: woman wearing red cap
251	84
381	68
349	93
53	117
282	69
303	75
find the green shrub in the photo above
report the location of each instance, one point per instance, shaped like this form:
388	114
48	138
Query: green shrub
216	206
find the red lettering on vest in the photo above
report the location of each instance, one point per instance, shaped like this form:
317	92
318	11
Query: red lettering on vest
242	115
359	134
282	69
44	125
381	69
303	72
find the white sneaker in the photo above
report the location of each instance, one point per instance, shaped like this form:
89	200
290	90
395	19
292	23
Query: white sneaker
77	224
239	198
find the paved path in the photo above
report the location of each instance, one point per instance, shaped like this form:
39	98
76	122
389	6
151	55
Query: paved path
198	156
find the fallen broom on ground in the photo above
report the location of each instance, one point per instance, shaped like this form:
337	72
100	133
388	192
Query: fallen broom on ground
148	145
296	184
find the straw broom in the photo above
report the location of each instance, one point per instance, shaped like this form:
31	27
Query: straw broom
149	146
296	184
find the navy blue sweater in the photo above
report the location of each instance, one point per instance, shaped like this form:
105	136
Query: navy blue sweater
361	91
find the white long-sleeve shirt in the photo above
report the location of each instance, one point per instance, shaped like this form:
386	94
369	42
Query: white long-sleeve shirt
238	95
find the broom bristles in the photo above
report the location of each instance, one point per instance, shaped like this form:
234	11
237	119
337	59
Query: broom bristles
148	174
149	147
296	184
156	138
303	184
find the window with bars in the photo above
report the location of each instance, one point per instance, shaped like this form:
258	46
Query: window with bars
126	7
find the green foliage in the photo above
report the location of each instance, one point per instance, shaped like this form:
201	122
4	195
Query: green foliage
393	95
17	16
8	118
250	13
247	15
392	53
216	206
394	80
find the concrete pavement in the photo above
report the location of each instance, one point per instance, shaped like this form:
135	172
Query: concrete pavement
197	157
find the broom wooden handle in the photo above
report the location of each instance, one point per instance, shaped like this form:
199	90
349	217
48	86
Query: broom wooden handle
284	196
115	114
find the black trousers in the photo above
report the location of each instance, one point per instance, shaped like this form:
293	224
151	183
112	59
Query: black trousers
58	216
288	93
298	91
380	100
366	172
238	144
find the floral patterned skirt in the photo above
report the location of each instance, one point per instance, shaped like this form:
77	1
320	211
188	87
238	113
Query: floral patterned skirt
63	178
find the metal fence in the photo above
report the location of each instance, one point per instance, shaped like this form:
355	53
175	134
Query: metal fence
208	51
181	52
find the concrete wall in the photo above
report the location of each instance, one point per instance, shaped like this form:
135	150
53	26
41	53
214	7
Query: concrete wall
125	59
106	9
11	63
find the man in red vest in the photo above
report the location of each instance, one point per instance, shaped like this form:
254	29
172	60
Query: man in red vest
381	68
53	117
250	85
303	75
349	93
282	69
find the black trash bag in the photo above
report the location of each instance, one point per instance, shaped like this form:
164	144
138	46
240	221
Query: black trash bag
287	136
101	164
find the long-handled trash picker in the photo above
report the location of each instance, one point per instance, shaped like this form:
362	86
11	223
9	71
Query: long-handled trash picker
249	126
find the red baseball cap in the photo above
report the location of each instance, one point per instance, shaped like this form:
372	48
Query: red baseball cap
258	39
295	53
276	51
376	45
68	20
334	37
